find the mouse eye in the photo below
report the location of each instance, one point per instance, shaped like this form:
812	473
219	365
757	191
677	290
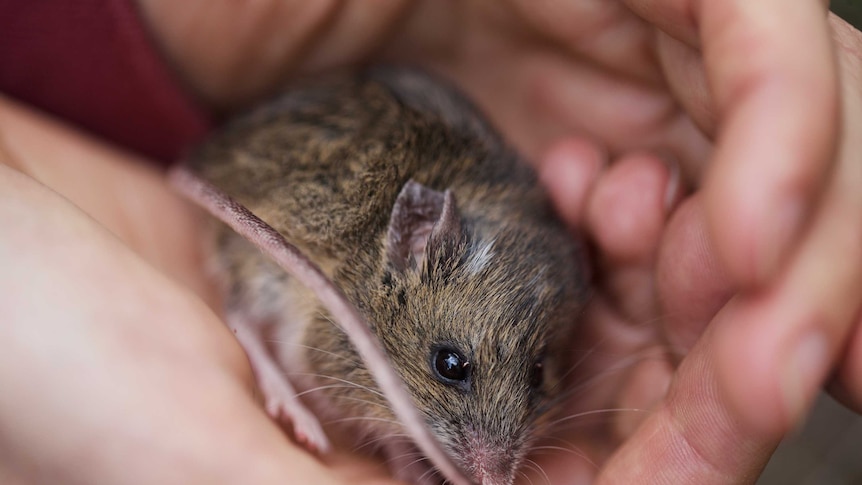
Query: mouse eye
449	366
537	374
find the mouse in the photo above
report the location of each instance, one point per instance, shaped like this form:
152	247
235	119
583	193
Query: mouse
393	190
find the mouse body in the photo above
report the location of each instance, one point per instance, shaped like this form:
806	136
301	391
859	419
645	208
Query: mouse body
440	236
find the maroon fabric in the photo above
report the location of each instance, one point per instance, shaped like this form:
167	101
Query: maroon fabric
92	62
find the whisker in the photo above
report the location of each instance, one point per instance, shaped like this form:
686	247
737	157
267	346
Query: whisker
345	381
316	349
343	398
363	418
539	449
323	388
429	471
330	320
421	458
571	448
580	361
364	401
570	417
378	439
596	379
525	476
538	468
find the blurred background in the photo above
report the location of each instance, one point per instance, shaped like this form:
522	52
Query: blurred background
828	449
850	10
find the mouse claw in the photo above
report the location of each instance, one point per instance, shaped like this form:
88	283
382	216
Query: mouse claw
307	430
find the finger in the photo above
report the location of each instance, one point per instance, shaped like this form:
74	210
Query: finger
693	437
628	206
780	109
679	18
691	282
269	41
116	188
787	338
642	391
569	170
847	384
675	17
605	32
686	78
355	32
625	217
778	105
622	115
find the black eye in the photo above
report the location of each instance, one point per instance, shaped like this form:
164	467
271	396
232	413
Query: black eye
450	366
537	375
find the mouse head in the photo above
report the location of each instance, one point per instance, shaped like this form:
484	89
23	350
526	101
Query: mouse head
475	321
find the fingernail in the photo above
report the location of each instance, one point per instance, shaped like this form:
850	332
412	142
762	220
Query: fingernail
783	224
806	367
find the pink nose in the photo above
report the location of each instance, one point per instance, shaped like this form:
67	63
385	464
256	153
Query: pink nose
494	480
492	471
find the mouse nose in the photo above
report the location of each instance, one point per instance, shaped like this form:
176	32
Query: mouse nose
491	465
497	474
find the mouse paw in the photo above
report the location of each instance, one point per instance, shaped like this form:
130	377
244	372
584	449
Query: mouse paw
281	401
307	430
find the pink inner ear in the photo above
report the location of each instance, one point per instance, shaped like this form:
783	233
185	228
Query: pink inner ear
421	217
414	214
419	240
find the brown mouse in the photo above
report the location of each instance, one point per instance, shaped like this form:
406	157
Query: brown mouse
436	232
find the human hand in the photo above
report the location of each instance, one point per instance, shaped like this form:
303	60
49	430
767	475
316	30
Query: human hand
113	369
738	390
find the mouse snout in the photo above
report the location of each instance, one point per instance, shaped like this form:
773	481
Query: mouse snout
490	463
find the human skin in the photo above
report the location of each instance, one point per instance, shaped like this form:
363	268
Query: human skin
114	367
669	441
739	389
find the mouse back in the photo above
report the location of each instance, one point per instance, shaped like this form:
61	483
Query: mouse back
324	162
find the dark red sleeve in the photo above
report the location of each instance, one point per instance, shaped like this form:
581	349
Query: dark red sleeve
92	62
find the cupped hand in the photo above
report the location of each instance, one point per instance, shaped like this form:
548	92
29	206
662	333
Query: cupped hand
650	407
750	360
113	369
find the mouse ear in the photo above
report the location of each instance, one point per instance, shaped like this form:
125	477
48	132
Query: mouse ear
421	218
